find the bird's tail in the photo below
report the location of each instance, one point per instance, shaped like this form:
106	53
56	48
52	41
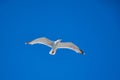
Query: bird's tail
52	52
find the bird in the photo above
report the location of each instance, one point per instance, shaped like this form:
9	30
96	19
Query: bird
56	45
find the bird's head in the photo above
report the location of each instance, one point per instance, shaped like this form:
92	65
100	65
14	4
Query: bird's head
59	40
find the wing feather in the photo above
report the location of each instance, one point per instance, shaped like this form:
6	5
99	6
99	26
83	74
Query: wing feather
42	40
71	46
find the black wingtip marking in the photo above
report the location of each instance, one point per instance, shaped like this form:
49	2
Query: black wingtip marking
82	52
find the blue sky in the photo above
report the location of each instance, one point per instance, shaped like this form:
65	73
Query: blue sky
91	24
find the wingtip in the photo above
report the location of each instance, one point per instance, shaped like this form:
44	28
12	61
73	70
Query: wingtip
26	42
82	52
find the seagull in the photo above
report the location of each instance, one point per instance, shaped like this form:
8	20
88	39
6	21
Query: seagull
56	45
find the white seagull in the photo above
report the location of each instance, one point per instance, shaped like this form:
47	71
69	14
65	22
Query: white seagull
56	45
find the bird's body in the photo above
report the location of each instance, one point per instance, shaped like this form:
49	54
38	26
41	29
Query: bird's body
56	45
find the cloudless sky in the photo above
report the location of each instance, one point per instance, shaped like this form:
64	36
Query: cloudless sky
93	25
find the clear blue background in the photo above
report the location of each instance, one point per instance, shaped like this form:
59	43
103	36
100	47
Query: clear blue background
94	25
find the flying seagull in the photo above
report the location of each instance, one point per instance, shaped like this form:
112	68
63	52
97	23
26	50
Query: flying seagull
56	45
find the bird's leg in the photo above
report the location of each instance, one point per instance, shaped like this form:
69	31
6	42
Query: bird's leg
52	52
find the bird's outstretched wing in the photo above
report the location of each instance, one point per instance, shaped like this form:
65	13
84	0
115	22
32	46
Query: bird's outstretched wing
42	40
70	45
